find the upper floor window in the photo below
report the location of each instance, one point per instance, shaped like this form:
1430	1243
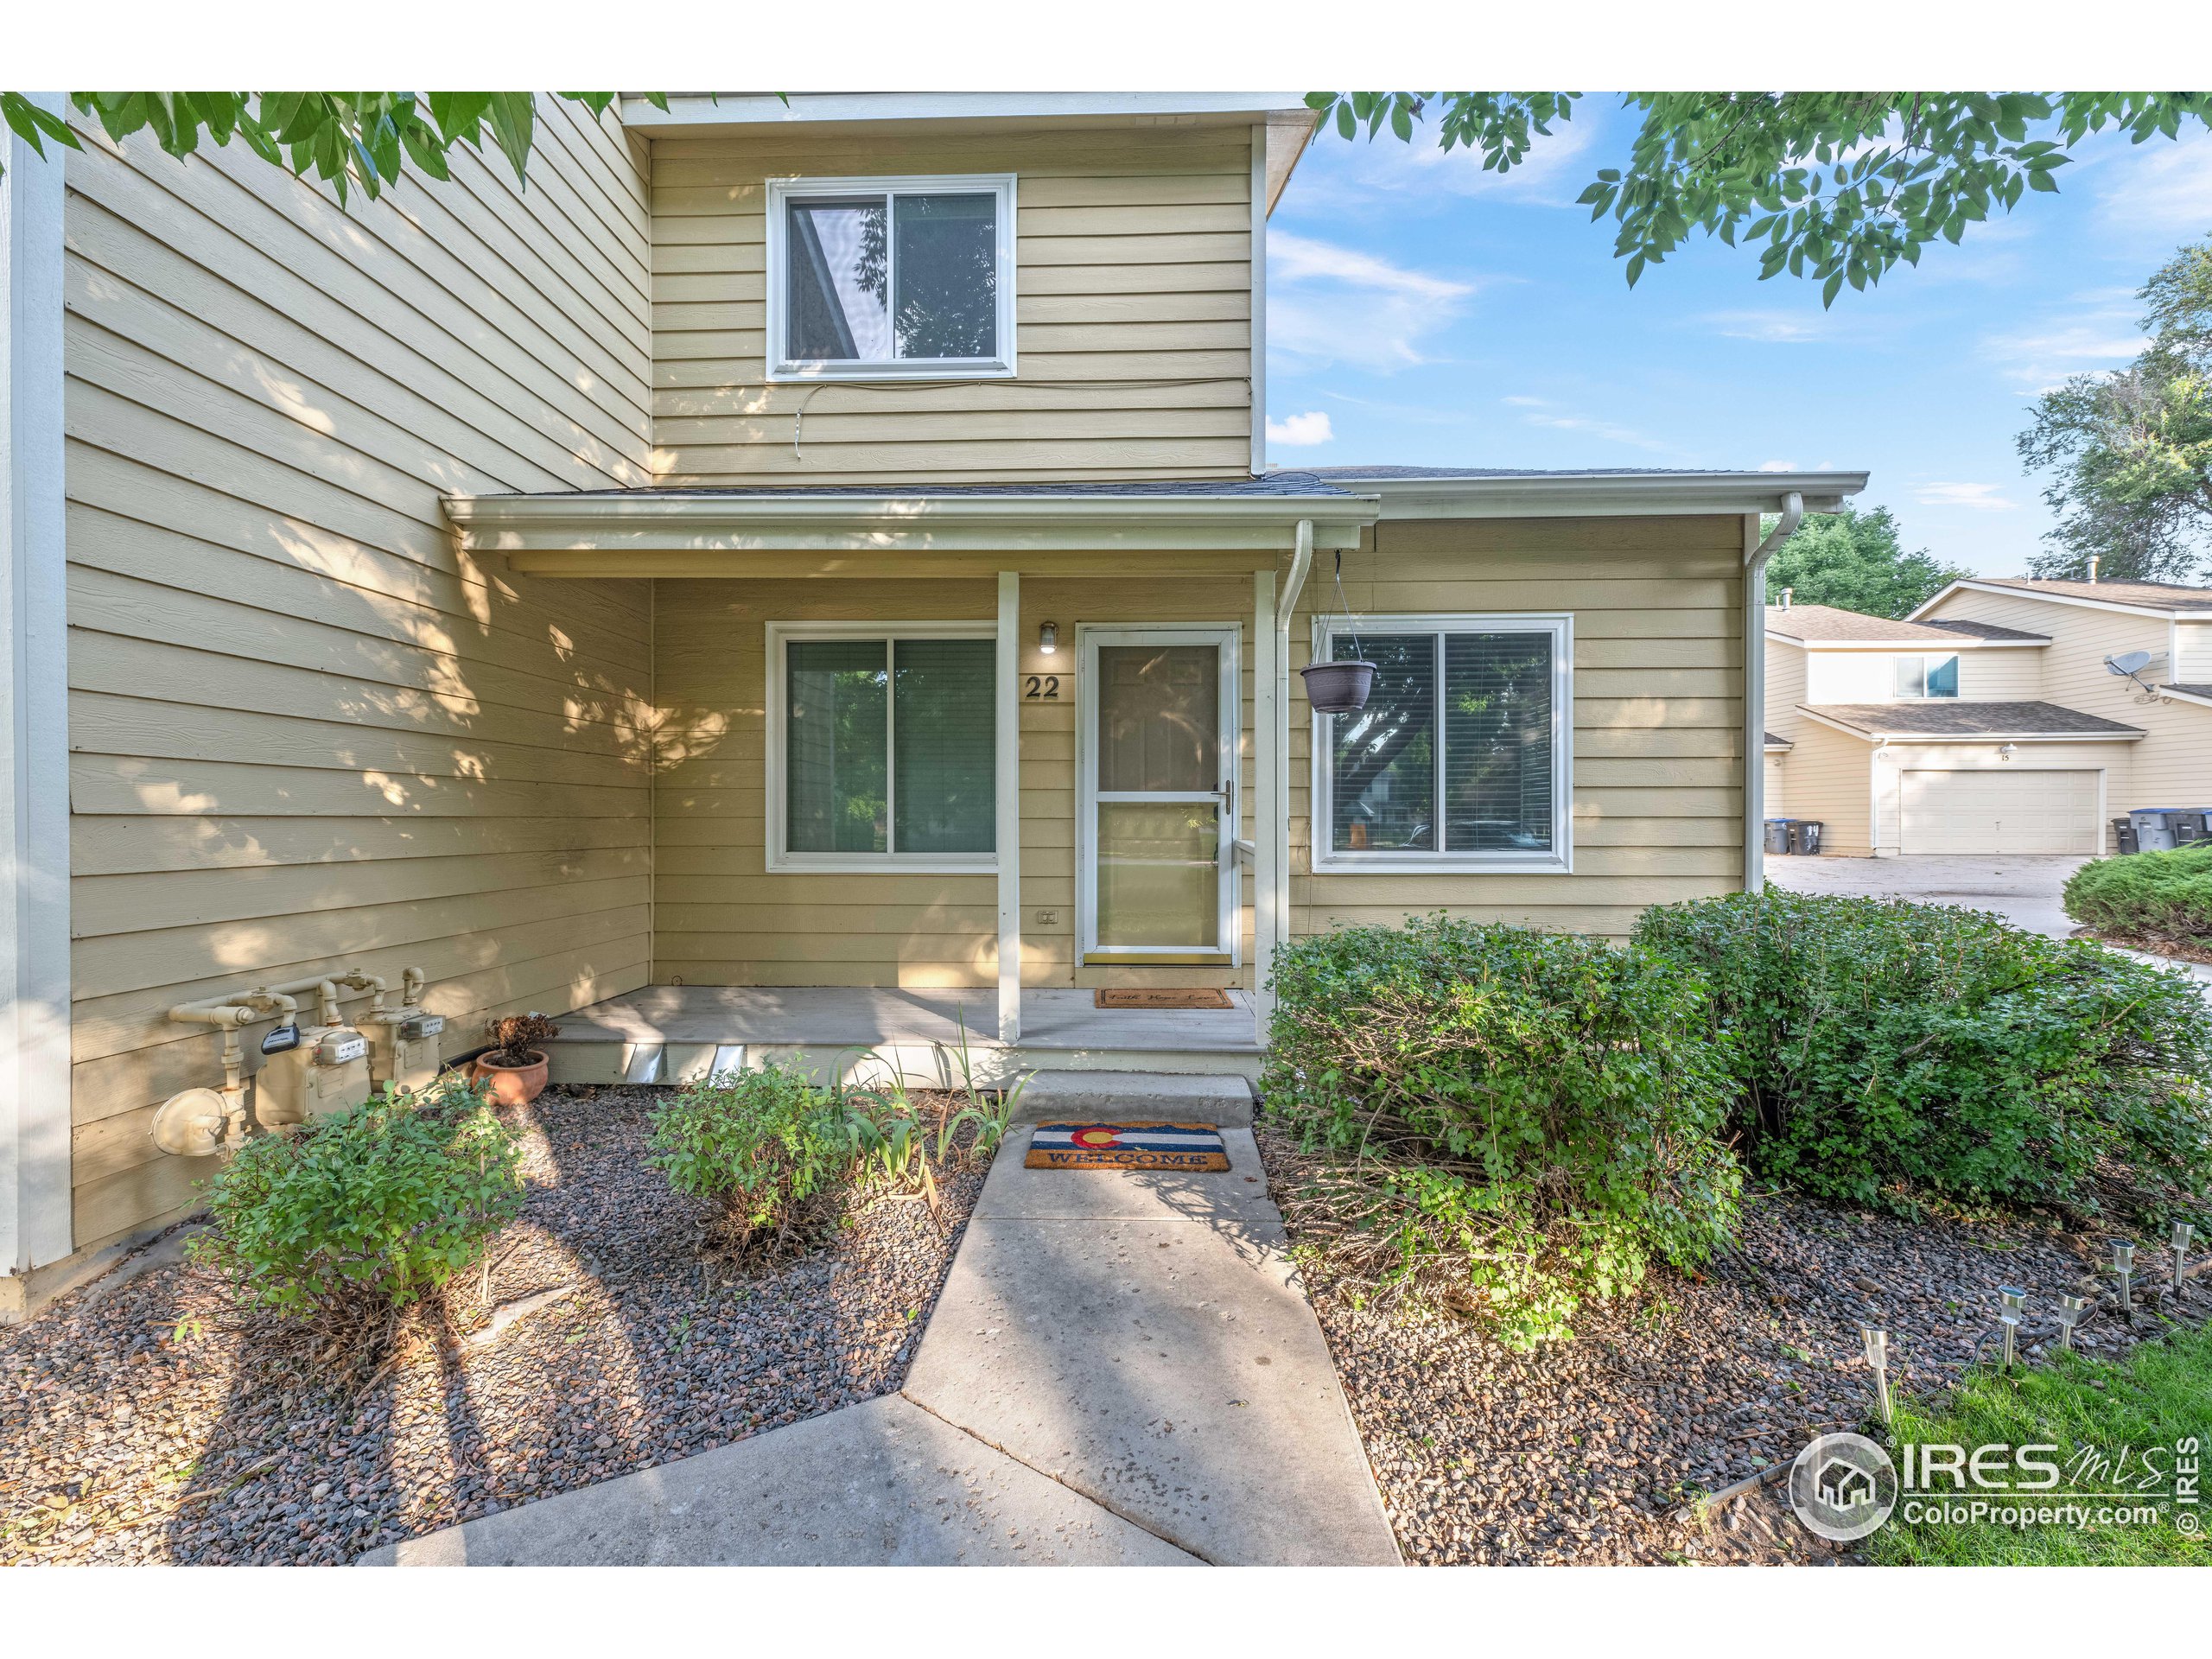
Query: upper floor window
1927	676
879	278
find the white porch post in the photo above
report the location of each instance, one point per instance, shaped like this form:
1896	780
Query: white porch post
1268	847
34	1215
1010	805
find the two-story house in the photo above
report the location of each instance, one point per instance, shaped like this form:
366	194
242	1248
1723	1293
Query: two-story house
799	576
2006	715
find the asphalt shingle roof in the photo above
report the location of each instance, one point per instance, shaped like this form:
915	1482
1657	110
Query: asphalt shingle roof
2160	595
1818	623
1947	717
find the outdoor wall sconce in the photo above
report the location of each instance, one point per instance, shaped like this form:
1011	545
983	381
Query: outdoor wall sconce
2183	1232
1878	1360
2015	1300
1048	638
2003	751
2070	1310
2123	1263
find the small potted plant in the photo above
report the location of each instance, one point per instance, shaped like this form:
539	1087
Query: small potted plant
513	1067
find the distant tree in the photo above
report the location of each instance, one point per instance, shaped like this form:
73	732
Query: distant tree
1855	562
1837	186
2130	449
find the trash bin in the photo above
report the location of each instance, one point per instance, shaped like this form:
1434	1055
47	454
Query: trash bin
2154	829
2123	834
1804	836
1777	835
2189	828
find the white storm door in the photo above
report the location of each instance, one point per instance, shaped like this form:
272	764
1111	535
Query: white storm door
1157	723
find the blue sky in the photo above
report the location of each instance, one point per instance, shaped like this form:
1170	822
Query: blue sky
1421	311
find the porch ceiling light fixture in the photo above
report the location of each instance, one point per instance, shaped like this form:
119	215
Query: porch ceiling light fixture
1340	687
1048	638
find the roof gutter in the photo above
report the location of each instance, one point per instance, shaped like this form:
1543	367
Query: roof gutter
1754	557
1567	495
755	520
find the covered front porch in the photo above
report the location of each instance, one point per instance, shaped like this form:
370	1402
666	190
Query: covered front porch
944	764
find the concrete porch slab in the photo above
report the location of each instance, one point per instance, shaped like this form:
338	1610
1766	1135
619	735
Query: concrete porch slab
1169	1369
1131	1096
879	1485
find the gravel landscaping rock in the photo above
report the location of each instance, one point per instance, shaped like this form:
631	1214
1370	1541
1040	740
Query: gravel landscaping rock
1587	1452
139	1423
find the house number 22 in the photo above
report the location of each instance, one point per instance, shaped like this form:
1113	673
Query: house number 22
1041	688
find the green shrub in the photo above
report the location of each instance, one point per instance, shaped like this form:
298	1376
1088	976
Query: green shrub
768	1150
1518	1120
353	1218
2155	895
1881	1045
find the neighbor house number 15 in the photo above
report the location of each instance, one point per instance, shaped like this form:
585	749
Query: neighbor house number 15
1040	687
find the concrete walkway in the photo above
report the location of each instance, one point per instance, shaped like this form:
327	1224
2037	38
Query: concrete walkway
1121	1369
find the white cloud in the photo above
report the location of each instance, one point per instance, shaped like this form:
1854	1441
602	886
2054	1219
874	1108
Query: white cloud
1789	327
2036	357
2164	185
1981	497
1777	465
1338	177
1299	430
1328	304
1542	412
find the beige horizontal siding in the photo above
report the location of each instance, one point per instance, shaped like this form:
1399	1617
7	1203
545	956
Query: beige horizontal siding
1133	315
308	734
1658	715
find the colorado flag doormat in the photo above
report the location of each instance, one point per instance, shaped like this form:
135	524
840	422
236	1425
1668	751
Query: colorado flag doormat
1193	1147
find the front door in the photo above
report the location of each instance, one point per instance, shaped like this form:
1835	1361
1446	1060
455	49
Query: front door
1158	722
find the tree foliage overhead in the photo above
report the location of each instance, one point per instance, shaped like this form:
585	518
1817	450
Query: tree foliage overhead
348	140
1855	560
2131	450
1834	185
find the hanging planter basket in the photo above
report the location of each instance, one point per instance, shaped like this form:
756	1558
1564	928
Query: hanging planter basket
1339	688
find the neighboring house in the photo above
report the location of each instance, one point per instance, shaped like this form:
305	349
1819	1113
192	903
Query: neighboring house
807	567
1990	720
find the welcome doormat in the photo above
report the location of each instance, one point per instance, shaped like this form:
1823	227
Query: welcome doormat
1196	1147
1150	998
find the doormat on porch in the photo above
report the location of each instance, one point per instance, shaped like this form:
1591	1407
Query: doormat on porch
1192	1147
1150	997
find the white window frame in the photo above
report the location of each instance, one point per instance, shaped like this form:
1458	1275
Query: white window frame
1559	860
782	366
1925	658
780	858
1229	931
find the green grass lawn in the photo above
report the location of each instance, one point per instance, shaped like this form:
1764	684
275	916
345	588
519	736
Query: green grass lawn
2160	1393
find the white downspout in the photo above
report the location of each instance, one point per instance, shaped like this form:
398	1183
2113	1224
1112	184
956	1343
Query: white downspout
1277	871
1755	558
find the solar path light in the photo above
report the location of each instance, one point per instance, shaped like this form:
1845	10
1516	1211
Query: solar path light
2014	1302
2070	1310
2123	1263
2183	1231
1878	1360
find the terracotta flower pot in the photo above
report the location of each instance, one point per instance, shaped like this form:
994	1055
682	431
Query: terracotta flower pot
513	1085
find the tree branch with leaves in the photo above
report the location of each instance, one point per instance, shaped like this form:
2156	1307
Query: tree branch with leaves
351	140
1838	187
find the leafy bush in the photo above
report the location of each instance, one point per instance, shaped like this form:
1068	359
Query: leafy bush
767	1149
2154	896
1513	1121
1882	1045
353	1218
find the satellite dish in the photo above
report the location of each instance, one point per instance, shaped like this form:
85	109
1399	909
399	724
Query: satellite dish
2129	665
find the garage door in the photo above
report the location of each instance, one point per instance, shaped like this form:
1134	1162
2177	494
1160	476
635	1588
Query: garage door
1993	811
